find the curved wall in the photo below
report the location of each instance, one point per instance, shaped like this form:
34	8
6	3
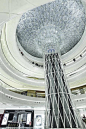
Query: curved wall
21	68
27	67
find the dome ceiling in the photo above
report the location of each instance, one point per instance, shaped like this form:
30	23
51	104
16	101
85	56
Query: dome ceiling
60	21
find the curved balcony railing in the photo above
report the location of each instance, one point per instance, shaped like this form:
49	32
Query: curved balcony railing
30	93
79	56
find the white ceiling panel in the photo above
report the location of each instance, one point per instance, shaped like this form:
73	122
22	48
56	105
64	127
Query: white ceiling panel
16	4
4	6
39	2
4	17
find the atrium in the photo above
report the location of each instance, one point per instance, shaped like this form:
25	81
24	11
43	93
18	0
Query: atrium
42	64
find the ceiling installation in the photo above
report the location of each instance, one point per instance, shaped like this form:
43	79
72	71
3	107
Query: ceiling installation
61	19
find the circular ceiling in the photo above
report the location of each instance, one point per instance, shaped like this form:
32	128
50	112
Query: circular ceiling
61	21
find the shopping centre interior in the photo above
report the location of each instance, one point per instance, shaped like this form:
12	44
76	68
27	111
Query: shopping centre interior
26	26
